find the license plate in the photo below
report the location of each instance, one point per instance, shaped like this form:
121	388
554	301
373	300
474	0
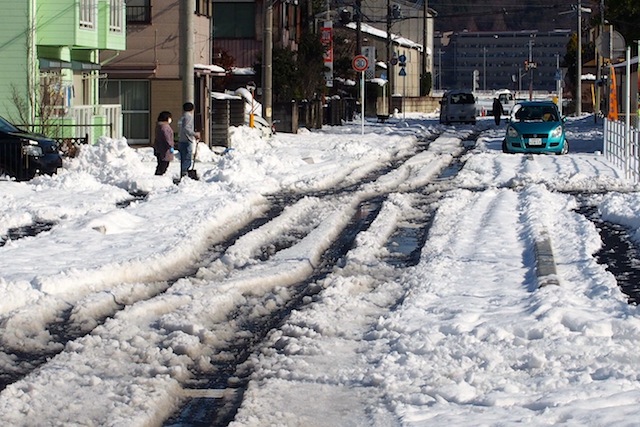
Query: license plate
535	141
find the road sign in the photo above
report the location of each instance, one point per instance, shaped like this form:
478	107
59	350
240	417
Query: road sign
402	58
360	63
370	53
558	76
402	72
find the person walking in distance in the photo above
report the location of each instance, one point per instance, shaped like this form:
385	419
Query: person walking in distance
187	137
163	142
498	111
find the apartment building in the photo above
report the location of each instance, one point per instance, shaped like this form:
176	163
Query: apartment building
508	59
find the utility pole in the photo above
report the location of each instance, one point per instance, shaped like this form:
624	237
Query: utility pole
440	52
425	35
267	63
484	68
358	13
187	10
599	63
559	83
530	65
579	83
389	64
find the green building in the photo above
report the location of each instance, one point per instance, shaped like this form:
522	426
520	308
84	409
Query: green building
51	70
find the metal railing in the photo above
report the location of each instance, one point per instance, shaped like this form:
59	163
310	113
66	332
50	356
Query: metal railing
622	148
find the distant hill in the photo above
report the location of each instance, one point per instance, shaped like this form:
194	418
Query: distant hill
502	15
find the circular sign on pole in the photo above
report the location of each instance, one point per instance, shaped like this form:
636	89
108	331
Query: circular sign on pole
360	63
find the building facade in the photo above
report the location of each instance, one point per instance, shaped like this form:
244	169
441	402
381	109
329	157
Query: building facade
514	60
147	78
409	24
51	64
239	29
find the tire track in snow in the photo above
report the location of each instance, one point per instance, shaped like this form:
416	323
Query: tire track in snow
243	294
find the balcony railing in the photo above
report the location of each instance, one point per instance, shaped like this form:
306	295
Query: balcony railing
85	118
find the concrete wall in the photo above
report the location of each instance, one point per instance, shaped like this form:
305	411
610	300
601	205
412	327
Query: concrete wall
412	104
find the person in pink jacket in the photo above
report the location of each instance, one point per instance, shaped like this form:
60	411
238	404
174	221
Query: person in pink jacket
163	144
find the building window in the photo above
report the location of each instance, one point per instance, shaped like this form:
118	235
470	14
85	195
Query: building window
87	13
133	96
138	11
234	20
204	7
115	16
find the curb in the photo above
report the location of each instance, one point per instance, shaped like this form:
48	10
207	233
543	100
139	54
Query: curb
545	264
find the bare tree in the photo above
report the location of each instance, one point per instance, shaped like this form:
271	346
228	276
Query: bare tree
42	110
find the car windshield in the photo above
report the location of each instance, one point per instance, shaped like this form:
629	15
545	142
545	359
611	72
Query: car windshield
5	126
462	98
537	113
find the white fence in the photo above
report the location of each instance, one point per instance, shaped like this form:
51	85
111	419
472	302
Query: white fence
622	148
96	121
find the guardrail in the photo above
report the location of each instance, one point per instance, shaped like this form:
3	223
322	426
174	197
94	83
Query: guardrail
622	148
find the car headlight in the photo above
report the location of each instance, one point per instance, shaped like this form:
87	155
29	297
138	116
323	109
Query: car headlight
512	132
556	133
31	148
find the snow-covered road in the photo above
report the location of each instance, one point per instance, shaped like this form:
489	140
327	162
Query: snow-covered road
465	335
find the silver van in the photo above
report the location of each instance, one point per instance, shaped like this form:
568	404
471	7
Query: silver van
458	106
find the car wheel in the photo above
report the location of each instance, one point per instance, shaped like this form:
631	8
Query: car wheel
4	174
565	148
504	147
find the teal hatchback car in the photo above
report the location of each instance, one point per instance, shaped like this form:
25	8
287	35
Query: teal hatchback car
535	127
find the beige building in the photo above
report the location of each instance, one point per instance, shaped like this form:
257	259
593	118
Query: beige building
146	78
411	27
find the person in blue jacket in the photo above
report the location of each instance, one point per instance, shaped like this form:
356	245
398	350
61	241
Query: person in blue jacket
187	137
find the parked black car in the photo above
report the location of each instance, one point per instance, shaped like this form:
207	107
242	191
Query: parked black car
24	155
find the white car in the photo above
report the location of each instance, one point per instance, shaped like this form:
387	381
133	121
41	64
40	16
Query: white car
458	106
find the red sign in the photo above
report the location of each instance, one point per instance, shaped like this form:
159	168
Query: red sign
360	63
326	38
613	96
